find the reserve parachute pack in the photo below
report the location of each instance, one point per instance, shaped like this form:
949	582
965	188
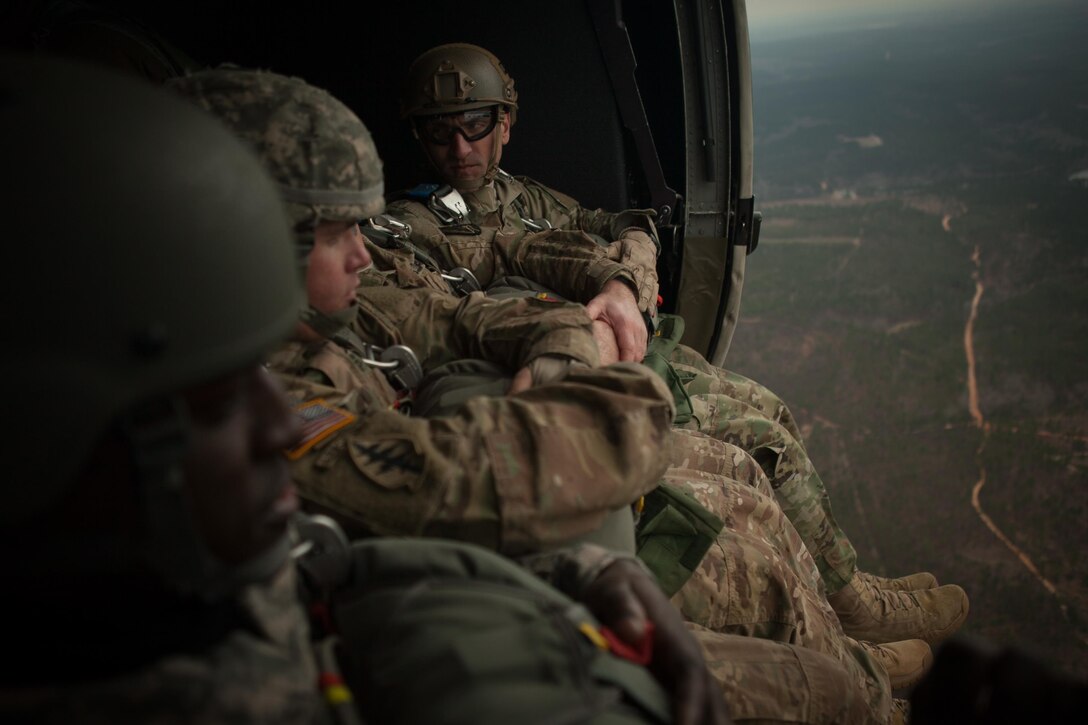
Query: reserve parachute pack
673	535
446	633
447	387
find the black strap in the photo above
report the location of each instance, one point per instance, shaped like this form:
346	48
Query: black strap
619	58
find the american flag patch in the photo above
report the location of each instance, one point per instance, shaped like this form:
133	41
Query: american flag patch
319	421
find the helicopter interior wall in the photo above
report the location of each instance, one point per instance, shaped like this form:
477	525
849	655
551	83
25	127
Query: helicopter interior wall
568	132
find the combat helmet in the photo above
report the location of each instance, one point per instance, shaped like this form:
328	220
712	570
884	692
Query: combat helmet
314	147
152	254
457	77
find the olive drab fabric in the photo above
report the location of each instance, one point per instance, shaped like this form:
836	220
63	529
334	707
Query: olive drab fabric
668	330
126	339
673	536
465	626
449	386
315	147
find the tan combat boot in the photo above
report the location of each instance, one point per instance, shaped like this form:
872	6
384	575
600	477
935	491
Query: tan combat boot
879	615
908	583
900	714
905	662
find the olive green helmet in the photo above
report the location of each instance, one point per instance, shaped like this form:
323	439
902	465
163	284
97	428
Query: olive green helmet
457	77
148	251
317	150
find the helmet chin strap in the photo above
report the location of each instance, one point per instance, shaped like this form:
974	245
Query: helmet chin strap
327	324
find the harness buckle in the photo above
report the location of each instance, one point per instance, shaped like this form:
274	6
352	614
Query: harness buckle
448	205
462	280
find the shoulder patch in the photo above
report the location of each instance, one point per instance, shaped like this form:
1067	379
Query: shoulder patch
389	460
319	421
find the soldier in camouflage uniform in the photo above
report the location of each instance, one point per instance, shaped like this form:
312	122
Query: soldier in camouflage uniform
151	516
492	473
407	475
462	104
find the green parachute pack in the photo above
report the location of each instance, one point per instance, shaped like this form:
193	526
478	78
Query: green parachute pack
447	633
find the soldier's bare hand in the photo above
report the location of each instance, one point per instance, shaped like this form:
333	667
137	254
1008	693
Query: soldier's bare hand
624	598
617	306
605	338
523	380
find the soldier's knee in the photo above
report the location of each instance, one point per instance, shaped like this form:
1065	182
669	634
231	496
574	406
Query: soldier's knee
771	682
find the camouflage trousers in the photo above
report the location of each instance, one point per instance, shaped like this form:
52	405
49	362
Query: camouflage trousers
775	682
759	581
736	410
707	379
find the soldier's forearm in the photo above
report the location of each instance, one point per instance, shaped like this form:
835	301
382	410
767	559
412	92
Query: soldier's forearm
516	331
637	252
560	457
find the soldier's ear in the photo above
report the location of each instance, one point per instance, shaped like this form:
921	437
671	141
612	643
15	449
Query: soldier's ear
504	122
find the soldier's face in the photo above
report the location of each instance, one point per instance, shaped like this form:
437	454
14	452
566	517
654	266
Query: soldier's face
334	263
237	477
463	163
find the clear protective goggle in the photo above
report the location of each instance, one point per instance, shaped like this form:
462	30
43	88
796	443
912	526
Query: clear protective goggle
472	125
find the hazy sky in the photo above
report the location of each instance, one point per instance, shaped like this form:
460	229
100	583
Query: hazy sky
771	11
789	16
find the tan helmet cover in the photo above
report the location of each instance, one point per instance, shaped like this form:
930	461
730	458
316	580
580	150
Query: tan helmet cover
457	77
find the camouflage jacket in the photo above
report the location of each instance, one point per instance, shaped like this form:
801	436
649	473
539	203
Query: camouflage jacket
496	239
395	265
440	327
517	474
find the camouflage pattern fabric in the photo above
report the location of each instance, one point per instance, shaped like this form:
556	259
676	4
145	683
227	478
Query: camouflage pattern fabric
760	581
797	487
441	328
335	174
726	406
496	243
757	581
775	682
704	378
398	267
803	669
515	474
265	675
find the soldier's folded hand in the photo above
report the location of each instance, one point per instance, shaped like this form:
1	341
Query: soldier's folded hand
616	305
626	600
